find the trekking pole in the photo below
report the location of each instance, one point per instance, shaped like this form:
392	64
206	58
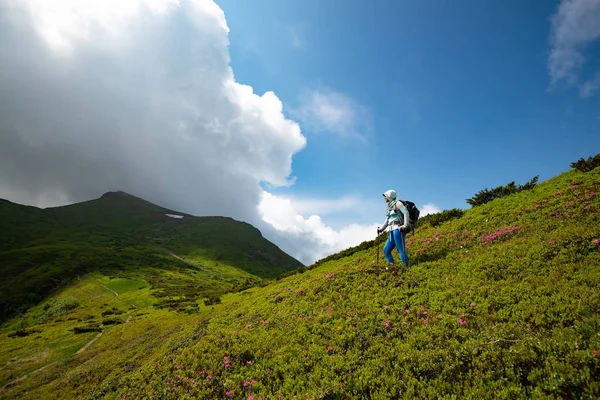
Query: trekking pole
377	247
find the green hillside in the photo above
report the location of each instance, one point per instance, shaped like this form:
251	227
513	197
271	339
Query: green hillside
501	302
119	234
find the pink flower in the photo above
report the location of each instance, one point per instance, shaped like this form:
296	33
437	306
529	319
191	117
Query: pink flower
596	241
425	321
595	353
250	398
208	376
406	311
473	304
385	307
386	324
228	393
329	348
246	383
249	362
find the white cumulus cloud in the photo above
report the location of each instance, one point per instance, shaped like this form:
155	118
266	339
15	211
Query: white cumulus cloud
282	214
136	96
429	208
575	26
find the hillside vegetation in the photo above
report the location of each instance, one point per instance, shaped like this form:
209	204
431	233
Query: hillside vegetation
500	302
41	250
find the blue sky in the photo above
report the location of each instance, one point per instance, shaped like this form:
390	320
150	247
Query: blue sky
293	115
458	94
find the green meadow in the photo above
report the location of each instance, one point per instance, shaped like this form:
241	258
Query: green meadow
500	301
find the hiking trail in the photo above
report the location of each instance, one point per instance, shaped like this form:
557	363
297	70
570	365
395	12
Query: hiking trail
116	294
81	350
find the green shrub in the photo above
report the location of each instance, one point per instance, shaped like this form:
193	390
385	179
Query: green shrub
487	195
111	321
441	217
60	307
586	165
114	311
212	300
23	332
87	328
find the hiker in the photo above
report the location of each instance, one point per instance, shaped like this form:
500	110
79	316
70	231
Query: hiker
397	218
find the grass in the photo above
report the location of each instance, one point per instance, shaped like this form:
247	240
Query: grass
502	302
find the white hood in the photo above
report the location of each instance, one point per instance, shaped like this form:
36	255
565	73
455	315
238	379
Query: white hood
390	195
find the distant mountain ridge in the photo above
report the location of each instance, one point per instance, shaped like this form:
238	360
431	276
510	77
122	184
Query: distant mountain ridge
41	248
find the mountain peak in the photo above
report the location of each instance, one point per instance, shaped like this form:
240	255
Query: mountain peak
118	193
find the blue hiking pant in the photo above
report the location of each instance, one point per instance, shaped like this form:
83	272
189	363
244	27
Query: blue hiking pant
396	239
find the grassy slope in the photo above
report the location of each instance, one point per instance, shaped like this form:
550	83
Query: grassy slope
42	250
527	297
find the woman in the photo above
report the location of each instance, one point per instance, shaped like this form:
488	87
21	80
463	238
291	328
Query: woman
397	219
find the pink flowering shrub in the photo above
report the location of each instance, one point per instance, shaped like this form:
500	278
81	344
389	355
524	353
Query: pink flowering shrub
500	233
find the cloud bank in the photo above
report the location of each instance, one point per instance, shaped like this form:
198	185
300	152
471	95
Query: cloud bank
139	96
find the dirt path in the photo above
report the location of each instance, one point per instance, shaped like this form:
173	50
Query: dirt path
210	270
81	350
192	264
25	376
185	261
116	294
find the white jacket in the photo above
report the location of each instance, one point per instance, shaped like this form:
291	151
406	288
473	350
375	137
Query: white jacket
393	219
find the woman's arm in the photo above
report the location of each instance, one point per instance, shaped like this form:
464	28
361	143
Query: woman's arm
385	224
